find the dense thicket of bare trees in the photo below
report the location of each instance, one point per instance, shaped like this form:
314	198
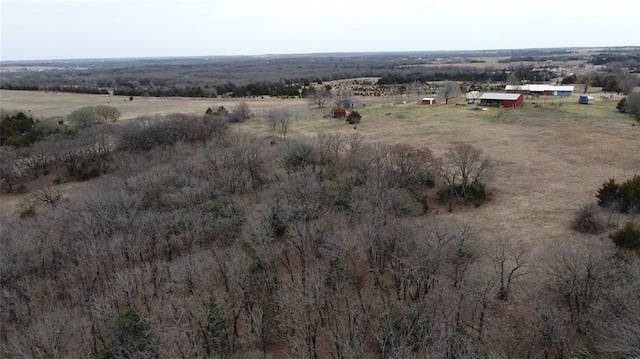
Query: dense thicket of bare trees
197	241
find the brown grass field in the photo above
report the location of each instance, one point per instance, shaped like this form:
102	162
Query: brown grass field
49	104
548	161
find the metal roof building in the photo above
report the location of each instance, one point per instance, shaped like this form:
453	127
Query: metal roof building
541	89
501	99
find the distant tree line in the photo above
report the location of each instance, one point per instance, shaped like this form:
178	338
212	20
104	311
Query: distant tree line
422	77
208	91
604	58
54	88
249	76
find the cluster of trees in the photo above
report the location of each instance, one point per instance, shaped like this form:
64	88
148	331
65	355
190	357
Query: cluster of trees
32	148
32	86
616	79
630	59
630	104
623	197
453	75
210	91
614	197
205	242
265	89
202	77
19	130
62	152
87	116
241	76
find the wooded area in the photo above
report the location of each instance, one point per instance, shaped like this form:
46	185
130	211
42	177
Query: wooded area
288	75
197	240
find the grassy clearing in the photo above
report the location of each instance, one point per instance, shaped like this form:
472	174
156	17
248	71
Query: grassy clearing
50	105
548	161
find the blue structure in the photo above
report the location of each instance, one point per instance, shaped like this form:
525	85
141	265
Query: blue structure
561	90
585	100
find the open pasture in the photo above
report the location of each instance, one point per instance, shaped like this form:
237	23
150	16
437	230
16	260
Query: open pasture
51	105
548	161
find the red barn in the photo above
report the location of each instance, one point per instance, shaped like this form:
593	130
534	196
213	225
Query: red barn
338	112
428	101
501	99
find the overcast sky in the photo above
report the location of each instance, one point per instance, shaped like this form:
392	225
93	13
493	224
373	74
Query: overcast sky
53	29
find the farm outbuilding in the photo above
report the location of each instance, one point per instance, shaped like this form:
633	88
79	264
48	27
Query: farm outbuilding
585	100
501	99
428	101
338	112
549	90
562	90
354	104
473	95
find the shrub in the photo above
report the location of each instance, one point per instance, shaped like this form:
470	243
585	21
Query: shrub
629	195
28	212
299	154
354	118
569	80
240	113
627	237
607	194
586	220
19	130
476	194
107	113
85	174
84	117
632	105
625	195
215	331
622	105
133	337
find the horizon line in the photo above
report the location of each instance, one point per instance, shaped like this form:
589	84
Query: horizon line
312	54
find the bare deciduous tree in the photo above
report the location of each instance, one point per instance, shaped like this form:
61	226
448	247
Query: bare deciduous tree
320	97
415	91
343	96
331	146
107	113
240	113
587	79
84	117
448	90
509	261
48	195
576	275
464	169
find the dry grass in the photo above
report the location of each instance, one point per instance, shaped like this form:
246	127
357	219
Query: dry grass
50	104
548	161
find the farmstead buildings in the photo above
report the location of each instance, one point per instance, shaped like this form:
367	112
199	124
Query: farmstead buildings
501	99
550	90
